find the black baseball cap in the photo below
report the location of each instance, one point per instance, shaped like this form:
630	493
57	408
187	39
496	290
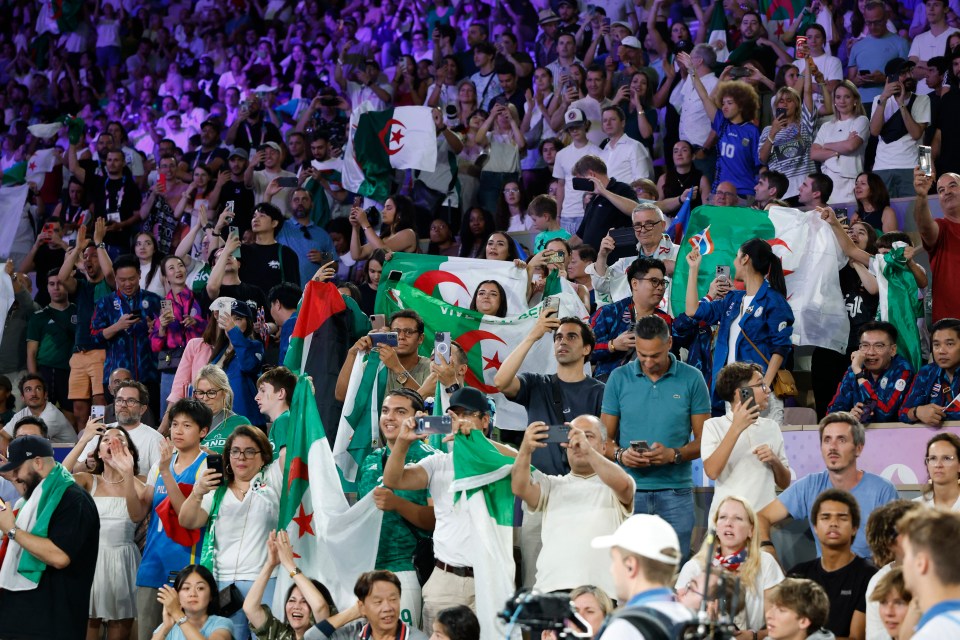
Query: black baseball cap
470	399
26	448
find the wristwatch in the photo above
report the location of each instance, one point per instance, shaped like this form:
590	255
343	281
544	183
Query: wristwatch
452	388
402	378
12	534
101	245
677	456
181	620
296	571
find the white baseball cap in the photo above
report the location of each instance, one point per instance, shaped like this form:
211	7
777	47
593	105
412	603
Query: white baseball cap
644	535
223	303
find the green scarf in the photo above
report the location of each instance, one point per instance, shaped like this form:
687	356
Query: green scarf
209	552
51	491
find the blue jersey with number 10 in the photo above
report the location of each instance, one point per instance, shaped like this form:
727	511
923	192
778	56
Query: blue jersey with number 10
738	154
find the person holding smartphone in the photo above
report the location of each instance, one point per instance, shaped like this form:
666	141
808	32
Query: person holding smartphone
742	451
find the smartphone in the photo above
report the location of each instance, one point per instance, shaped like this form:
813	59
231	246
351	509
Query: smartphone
162	180
869	407
925	159
556	258
228	206
745	393
378	321
358	201
582	184
329	101
288	182
841	215
166	305
235	231
740	72
48	227
625	239
441	347
640	446
215	463
557	434
864	72
723	272
442	425
781	113
552	303
801	44
97	411
136	314
381	338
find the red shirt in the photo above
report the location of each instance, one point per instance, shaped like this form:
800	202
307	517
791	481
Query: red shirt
945	263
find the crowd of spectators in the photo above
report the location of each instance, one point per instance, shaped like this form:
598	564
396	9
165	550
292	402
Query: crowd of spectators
194	178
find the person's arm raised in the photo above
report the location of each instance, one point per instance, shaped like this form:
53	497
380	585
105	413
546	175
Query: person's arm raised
506	377
521	482
398	476
929	231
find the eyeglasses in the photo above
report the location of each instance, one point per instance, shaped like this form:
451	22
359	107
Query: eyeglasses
645	226
125	402
877	346
200	395
243	454
306	233
760	385
511	190
939	459
406	332
656	283
726	194
692	588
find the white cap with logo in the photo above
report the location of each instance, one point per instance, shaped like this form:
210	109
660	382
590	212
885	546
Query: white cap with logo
644	535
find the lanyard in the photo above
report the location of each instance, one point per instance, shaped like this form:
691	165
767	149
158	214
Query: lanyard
106	192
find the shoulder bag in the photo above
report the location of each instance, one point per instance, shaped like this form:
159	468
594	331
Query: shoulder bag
784	386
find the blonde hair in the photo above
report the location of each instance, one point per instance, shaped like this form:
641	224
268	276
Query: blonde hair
218	379
791	93
858	109
750	569
606	604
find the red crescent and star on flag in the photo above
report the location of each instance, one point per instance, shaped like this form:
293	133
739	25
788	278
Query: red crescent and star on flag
395	136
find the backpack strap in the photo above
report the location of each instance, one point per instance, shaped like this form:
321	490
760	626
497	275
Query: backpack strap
652	624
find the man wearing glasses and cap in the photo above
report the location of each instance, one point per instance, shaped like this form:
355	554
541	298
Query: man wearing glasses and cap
50	547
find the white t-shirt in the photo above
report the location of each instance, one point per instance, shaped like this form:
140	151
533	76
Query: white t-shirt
357	93
694	123
453	537
242	528
770	576
144	437
875	628
735	329
627	160
845	169
926	46
516	224
902	152
576	509
744	475
58	429
563	169
926	499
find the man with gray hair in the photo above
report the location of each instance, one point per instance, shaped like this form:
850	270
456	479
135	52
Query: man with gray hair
842	438
941	238
694	123
592	500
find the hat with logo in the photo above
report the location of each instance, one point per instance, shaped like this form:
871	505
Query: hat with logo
239	152
26	448
223	303
645	535
241	309
574	118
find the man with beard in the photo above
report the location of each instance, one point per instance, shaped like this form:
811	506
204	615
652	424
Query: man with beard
114	195
323	180
210	153
251	129
131	402
898	118
266	187
304	238
51	554
34	392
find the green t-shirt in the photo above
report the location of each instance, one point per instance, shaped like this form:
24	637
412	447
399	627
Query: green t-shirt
56	332
216	440
278	431
397	541
540	242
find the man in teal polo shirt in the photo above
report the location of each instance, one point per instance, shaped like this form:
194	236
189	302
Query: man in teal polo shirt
661	402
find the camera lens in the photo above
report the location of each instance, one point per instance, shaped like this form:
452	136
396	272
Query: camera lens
451	110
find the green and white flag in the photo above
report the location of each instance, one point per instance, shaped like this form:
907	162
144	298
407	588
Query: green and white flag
383	141
481	484
359	430
806	246
899	303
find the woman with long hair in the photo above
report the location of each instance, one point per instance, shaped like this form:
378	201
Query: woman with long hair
873	203
307	603
475	230
490	299
500	136
785	144
397	229
372	271
194	596
239	510
842	141
641	116
151	274
500	246
467	103
212	387
738	551
181	320
122	501
407	88
755	323
512	208
683	175
194	199
942	460
239	353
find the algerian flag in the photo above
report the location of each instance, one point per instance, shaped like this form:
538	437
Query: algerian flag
45	131
400	138
455	279
12	202
359	431
899	303
40	164
487	340
335	543
481	482
717	30
805	244
779	14
15	175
